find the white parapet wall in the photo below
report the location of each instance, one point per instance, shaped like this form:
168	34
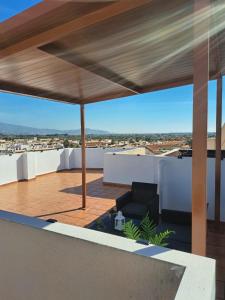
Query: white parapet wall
173	176
50	161
175	185
94	156
11	168
124	168
41	260
28	165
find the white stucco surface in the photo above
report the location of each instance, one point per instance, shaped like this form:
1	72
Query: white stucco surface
173	176
28	165
58	261
11	168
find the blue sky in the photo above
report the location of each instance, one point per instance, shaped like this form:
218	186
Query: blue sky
165	111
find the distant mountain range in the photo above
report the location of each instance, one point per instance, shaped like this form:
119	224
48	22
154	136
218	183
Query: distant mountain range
11	129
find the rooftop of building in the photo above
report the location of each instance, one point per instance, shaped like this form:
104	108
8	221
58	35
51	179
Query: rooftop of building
58	196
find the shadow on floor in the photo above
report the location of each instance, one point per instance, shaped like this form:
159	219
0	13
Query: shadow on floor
95	188
58	212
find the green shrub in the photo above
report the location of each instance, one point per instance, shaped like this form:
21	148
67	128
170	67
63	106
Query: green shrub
146	232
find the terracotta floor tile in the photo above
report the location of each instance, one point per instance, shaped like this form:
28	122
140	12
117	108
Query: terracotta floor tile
58	196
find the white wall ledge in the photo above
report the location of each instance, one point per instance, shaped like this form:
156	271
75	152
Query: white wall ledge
198	281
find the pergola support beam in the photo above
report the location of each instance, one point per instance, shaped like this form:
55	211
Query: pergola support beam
199	145
218	149
83	155
15	88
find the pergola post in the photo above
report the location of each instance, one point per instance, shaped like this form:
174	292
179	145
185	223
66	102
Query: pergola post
83	155
199	144
218	149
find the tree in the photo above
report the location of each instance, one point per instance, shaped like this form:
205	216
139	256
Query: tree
189	142
66	143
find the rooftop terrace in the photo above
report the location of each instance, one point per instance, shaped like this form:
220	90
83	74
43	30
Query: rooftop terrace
58	196
55	51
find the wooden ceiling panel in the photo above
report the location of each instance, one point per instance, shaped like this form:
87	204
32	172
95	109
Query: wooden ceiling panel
44	16
114	49
139	42
36	69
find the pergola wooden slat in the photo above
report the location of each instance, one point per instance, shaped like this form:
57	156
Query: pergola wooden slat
112	49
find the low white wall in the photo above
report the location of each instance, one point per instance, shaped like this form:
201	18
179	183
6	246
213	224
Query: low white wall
40	260
40	264
175	185
135	151
49	161
28	165
94	156
11	168
173	176
125	168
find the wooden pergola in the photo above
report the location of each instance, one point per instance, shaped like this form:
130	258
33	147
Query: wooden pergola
82	52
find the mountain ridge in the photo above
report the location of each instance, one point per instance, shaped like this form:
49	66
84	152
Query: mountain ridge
12	129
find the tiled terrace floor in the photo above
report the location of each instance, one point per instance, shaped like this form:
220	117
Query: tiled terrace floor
58	196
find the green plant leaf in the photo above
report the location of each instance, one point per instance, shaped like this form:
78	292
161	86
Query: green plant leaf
147	232
160	239
131	231
100	225
148	228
